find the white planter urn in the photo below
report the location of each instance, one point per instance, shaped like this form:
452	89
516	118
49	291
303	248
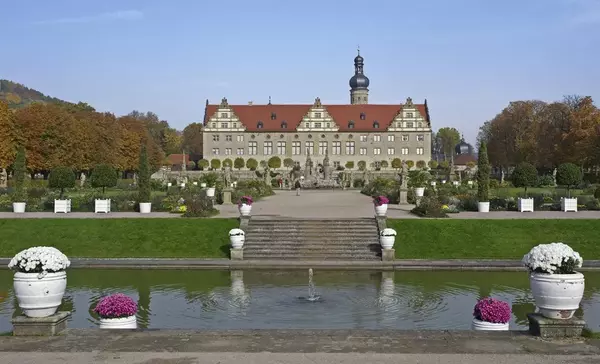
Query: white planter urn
63	206
102	206
478	325
245	209
433	183
39	297
525	204
129	322
557	296
568	204
381	210
145	207
203	185
19	207
483	206
455	183
169	184
195	183
419	191
210	192
470	183
387	238
237	238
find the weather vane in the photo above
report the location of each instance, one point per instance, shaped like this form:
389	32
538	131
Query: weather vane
358	49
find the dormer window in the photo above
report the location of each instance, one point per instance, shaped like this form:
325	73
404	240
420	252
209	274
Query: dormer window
363	116
259	125
351	124
273	116
284	124
376	124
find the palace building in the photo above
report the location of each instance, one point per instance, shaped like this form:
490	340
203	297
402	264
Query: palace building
355	132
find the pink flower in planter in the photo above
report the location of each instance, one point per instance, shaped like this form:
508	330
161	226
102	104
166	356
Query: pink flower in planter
245	200
492	310
116	306
380	200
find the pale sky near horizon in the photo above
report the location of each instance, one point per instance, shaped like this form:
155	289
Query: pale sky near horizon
469	58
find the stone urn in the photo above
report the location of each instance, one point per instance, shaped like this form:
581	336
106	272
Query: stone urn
210	192
129	322
479	325
237	238
40	295
557	296
387	238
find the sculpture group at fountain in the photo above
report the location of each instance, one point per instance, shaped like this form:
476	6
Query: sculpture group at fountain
315	175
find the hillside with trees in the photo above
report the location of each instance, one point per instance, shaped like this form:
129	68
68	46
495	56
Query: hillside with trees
57	133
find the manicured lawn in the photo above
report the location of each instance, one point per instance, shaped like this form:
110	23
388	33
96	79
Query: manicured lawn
120	238
491	239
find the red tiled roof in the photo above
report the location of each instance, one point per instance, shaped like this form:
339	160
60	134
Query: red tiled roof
464	159
250	115
176	159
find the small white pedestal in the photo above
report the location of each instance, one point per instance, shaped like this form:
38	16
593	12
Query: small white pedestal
525	204
63	206
102	206
568	204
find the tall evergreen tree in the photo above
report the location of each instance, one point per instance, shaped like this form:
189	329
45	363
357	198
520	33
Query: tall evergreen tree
483	174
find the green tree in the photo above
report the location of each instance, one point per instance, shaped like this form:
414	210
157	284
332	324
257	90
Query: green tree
274	162
448	138
525	175
203	163
569	176
396	163
288	163
238	163
362	165
227	162
410	164
252	164
104	175
192	138
384	164
349	165
215	163
421	164
61	178
432	164
144	191
19	171
483	174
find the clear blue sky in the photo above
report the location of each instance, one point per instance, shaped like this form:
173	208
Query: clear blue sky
469	58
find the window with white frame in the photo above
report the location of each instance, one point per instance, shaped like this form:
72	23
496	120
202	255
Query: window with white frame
268	148
349	148
322	148
336	148
391	138
215	137
363	151
296	148
215	151
336	164
228	151
391	151
363	138
404	151
240	138
377	138
224	125
240	151
404	137
377	151
228	138
420	137
253	148
281	148
224	115
310	147
420	151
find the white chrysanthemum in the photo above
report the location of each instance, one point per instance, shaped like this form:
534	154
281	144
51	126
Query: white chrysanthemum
548	258
40	258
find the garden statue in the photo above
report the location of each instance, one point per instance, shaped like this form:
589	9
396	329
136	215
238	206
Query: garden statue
404	176
227	176
82	179
267	175
3	178
554	176
326	170
308	166
135	179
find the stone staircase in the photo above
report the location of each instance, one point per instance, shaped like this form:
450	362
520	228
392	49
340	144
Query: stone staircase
312	239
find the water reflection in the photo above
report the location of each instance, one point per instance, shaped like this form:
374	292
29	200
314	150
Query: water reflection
257	299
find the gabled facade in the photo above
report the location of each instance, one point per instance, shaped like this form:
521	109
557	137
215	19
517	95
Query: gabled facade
356	132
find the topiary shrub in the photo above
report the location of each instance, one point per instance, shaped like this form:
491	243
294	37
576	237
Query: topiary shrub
61	178
251	164
144	190
569	176
238	163
103	176
203	163
215	163
274	162
429	207
525	175
483	174
545	181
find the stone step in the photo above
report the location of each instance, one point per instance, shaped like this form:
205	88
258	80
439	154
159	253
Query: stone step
272	256
313	223
324	229
316	244
307	237
336	252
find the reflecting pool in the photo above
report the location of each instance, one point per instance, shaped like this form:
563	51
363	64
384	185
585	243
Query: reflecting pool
196	299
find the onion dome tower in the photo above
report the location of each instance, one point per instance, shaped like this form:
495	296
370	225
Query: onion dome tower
359	83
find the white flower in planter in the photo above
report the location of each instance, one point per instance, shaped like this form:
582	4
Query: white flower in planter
39	259
236	232
549	258
388	232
